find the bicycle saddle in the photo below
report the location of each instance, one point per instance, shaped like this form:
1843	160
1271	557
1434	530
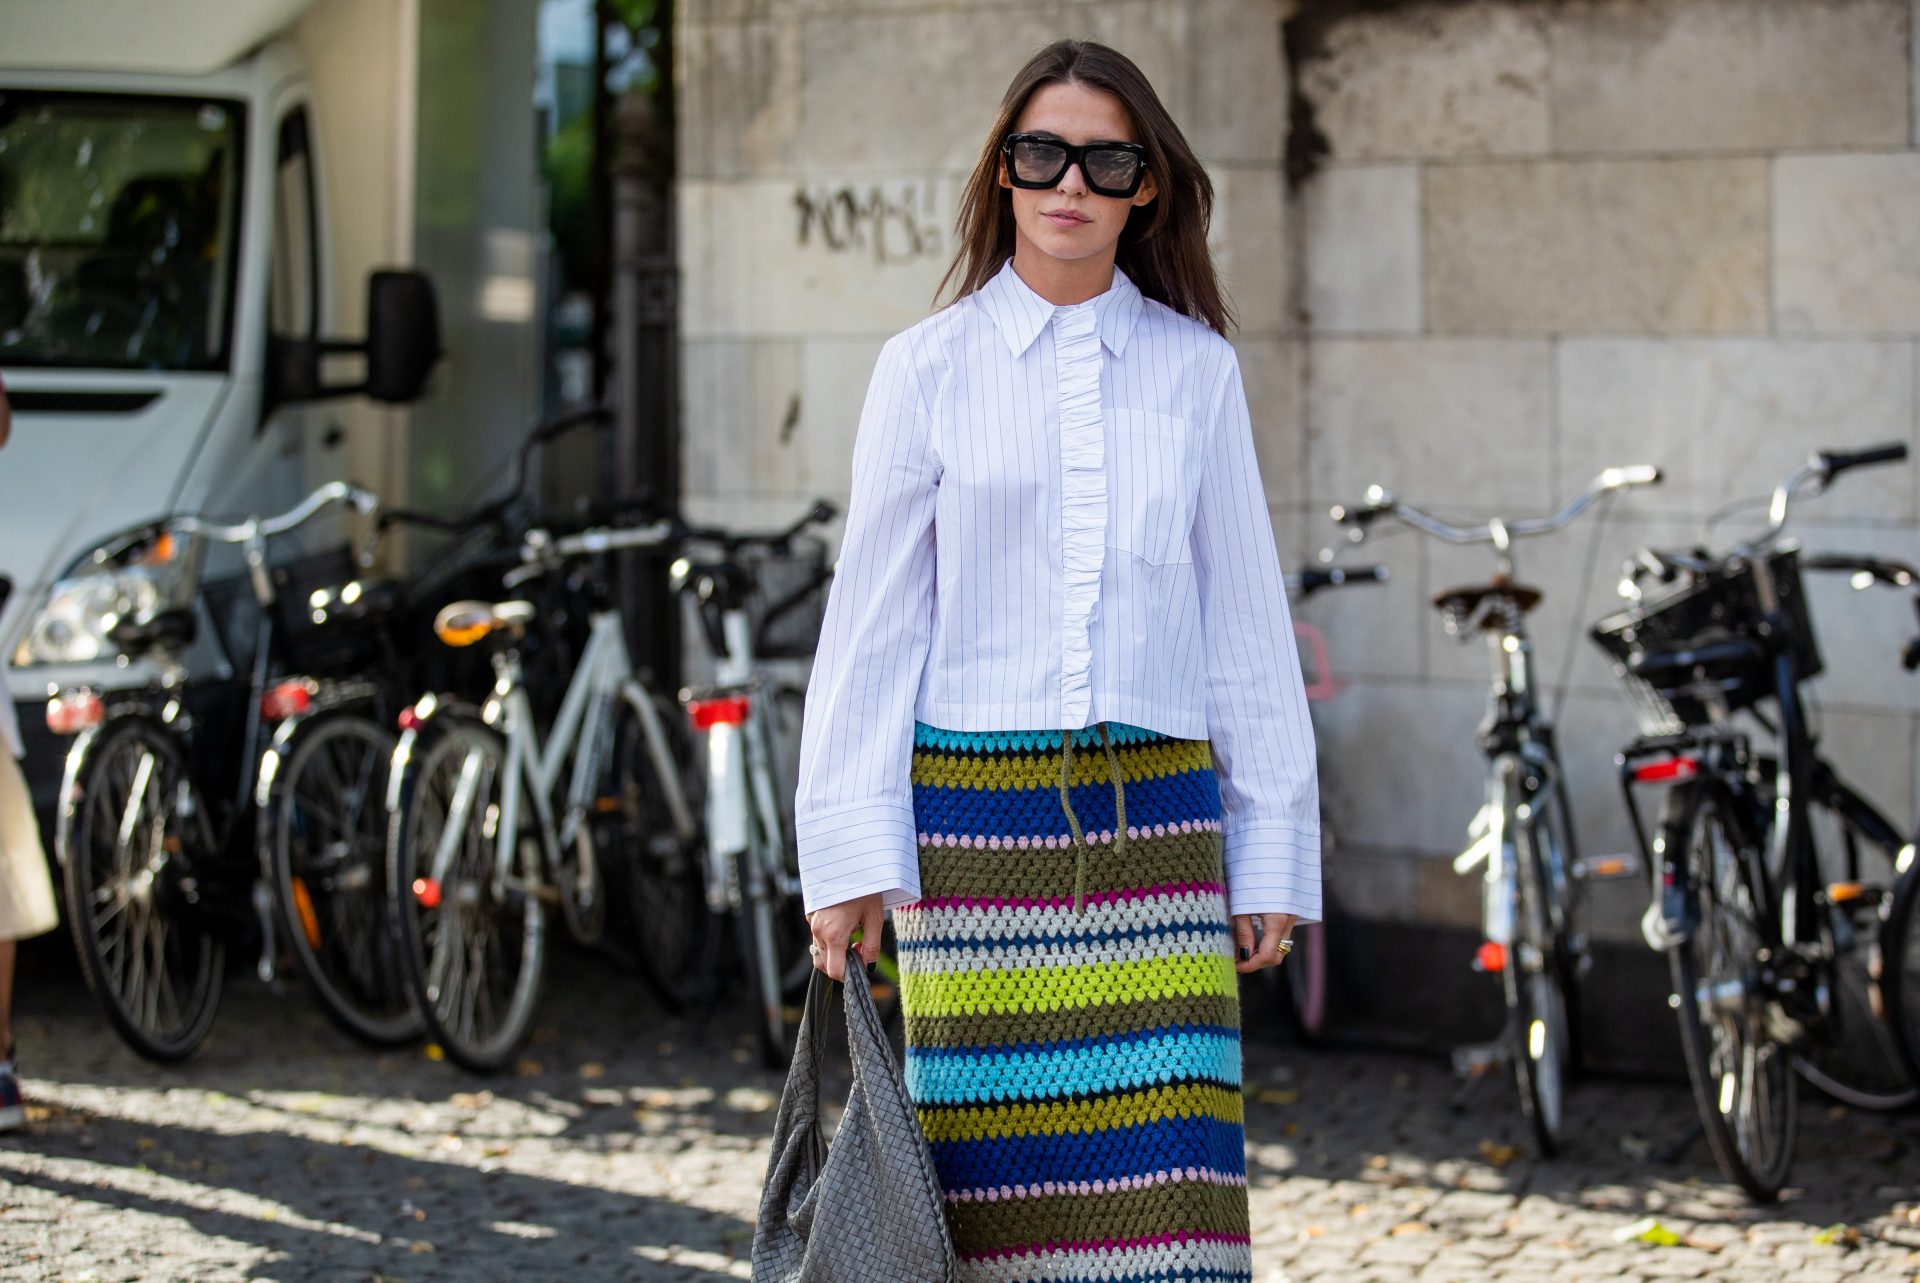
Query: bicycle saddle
1464	601
462	623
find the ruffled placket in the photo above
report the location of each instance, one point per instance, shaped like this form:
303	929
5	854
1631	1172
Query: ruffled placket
1083	507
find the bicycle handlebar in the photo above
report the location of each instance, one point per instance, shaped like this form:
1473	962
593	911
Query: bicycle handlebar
1500	531
322	498
1306	583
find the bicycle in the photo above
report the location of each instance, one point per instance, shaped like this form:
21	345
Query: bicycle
761	597
1895	963
1770	943
1522	836
157	817
488	825
1305	974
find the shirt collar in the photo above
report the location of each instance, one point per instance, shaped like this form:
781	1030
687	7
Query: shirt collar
1020	314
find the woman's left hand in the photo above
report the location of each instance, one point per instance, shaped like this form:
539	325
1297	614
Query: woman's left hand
1251	954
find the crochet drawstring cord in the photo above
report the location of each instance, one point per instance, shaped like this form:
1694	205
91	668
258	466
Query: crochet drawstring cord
1080	843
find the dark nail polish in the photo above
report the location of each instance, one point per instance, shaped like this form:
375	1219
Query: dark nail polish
1245	954
872	968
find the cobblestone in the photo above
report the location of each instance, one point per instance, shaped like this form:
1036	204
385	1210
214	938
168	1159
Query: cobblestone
629	1144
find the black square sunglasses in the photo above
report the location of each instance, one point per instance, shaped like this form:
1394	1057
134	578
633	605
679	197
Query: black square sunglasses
1039	160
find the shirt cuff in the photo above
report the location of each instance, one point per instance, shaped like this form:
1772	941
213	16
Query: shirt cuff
852	851
1274	868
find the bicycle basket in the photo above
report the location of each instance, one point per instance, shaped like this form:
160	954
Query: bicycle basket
331	619
1712	608
790	598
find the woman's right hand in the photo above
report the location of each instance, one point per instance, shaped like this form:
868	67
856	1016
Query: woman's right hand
833	929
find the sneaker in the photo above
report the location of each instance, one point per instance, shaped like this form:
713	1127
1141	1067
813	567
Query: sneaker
13	1111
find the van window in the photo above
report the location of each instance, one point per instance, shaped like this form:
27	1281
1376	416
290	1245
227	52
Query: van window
118	230
293	288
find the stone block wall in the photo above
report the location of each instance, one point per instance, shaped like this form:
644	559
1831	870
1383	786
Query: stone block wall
1479	249
1540	237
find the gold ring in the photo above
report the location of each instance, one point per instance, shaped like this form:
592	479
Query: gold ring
1286	944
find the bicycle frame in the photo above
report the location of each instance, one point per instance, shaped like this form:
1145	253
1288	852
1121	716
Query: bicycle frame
740	789
604	673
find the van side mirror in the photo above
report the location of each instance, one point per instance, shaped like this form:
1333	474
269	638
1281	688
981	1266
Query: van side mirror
401	348
403	335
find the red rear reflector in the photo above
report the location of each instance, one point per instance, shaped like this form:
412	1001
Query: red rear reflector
288	699
409	718
1667	769
71	712
427	892
731	710
1491	957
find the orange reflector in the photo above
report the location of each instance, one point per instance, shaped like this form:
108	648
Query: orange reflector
427	892
730	710
463	634
1491	956
1843	892
71	712
1609	867
303	906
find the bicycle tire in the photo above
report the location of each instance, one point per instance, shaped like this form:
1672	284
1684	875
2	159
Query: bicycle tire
119	915
1731	1060
675	934
1900	962
1535	980
327	862
766	947
438	923
1856	1054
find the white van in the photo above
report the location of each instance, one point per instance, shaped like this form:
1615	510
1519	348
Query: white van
163	325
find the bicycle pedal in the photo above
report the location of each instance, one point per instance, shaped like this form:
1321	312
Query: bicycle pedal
1608	868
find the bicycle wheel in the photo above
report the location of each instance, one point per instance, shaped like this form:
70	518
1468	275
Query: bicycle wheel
1855	1054
1536	981
1900	960
675	934
327	848
1743	1082
472	947
774	951
126	830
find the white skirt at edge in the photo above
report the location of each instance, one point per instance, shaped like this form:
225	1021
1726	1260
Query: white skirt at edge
27	906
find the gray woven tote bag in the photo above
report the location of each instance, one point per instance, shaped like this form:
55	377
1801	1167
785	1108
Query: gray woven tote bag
868	1210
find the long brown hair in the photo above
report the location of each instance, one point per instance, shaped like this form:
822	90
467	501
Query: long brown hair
1163	247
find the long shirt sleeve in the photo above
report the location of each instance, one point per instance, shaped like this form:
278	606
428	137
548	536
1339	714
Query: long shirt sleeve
853	808
1255	700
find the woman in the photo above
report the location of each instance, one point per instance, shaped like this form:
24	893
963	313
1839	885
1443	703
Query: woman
1057	611
26	891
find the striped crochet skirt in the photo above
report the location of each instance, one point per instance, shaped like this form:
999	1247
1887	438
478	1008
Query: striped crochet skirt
1072	1014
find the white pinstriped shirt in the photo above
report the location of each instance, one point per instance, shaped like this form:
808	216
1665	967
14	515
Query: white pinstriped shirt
1056	520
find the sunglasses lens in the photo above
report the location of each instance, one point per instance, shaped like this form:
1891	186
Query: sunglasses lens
1114	170
1037	162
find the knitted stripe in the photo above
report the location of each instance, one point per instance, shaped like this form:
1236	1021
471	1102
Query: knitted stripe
1084	1054
1139	764
1063	988
1054	1118
1011	1223
925	736
1196	1142
1101	1019
1005	922
993	1193
1040	1075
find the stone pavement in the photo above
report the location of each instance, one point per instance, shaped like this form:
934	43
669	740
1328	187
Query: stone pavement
630	1145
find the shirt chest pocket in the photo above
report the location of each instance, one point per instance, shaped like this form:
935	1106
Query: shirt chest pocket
1150	485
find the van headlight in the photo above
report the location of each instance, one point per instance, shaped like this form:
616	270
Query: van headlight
131	577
